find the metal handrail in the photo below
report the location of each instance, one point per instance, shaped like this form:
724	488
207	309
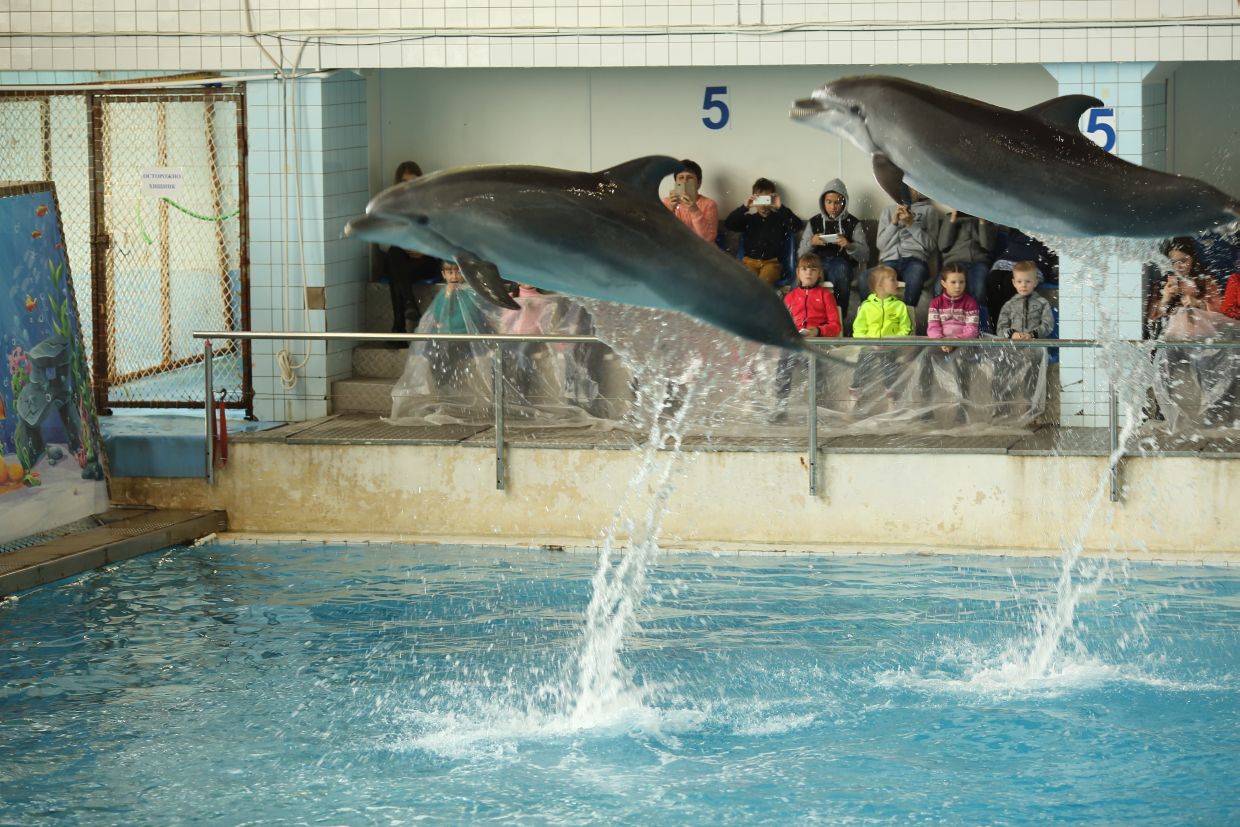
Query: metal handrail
814	346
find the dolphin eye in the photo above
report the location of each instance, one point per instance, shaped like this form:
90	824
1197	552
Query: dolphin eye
856	110
421	219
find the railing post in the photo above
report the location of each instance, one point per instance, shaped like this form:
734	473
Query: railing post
811	384
1113	425
497	395
208	373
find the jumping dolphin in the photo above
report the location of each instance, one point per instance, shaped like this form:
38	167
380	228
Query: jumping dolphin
604	235
1031	169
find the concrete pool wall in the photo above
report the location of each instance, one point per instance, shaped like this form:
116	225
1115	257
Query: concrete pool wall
1171	506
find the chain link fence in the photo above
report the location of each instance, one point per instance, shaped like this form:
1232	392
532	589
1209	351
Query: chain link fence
151	188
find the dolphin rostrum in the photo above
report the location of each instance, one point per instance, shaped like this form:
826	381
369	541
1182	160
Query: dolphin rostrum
603	235
1031	169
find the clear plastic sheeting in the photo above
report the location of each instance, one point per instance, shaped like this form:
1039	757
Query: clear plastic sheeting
1198	388
655	364
544	383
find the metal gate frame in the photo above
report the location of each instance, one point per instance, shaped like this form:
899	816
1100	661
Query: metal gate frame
100	241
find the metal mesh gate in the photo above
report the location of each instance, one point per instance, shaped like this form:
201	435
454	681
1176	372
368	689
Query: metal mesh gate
150	265
172	200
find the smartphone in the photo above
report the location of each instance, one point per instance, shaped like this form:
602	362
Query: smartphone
689	188
762	200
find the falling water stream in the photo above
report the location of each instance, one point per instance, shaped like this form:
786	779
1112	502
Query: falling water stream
601	683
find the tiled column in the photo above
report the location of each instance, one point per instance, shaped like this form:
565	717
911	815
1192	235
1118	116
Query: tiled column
1140	119
303	225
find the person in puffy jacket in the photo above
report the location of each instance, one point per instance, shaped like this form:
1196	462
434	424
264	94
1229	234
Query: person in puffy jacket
954	314
882	314
814	313
813	306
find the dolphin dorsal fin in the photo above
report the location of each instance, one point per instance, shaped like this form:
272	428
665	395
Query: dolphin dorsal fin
642	175
1063	112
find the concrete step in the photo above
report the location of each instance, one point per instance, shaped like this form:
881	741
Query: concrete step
363	395
370	362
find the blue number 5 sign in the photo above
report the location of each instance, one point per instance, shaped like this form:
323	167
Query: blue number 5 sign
1101	127
716	103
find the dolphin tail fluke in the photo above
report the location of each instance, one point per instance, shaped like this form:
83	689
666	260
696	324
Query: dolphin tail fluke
642	175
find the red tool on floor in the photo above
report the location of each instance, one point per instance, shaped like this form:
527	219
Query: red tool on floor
221	435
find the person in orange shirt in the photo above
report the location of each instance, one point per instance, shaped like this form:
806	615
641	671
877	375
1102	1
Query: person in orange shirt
695	210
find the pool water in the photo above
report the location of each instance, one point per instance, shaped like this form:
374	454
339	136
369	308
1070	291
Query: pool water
274	684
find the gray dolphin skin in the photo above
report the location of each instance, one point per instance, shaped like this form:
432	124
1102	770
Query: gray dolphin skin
603	235
1031	169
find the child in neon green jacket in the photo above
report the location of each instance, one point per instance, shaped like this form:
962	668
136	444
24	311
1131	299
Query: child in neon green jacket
882	314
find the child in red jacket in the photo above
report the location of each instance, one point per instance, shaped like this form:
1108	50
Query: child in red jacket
813	306
814	312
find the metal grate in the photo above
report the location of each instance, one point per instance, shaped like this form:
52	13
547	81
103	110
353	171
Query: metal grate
146	271
172	259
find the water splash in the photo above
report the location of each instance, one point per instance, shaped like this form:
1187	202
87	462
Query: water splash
1042	656
675	362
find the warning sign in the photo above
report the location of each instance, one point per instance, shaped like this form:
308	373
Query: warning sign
163	181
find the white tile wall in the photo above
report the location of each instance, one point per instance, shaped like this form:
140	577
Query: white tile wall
145	35
1116	305
331	145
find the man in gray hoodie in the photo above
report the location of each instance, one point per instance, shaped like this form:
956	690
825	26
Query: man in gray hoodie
908	236
835	235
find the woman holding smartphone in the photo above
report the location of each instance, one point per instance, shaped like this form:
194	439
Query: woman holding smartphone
695	210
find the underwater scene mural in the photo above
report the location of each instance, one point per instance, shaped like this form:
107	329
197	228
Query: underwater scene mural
51	458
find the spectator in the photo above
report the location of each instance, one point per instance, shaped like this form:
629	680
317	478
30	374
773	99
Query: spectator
813	312
698	212
882	314
908	235
953	315
836	236
967	241
1231	300
405	268
1026	315
812	306
765	224
1188	285
1015	246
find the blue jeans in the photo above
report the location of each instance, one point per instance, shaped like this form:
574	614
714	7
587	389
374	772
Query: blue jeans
839	271
912	271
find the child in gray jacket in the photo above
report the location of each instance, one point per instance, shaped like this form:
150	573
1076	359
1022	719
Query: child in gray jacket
1026	315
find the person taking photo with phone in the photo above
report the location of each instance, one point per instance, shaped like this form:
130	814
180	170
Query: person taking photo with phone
765	224
836	236
698	212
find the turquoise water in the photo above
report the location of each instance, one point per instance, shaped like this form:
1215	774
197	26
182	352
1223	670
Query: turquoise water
244	684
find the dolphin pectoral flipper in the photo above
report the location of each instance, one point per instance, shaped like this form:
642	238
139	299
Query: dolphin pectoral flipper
642	175
483	276
891	178
1064	112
